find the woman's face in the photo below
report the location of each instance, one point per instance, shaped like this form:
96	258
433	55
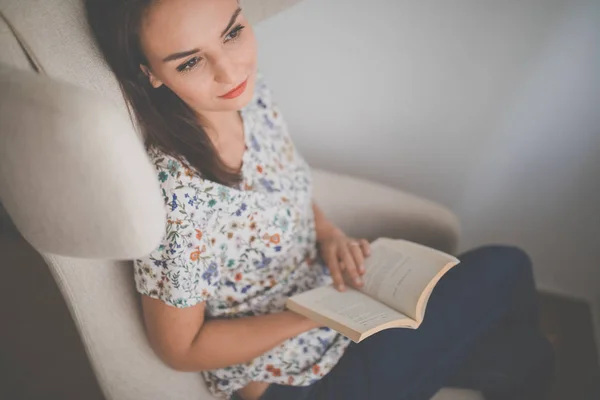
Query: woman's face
201	50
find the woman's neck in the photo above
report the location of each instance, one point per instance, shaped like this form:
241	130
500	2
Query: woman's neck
222	126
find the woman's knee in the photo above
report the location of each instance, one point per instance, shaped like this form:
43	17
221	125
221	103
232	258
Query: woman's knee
501	262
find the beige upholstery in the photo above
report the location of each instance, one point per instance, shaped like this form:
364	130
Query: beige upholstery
103	307
90	175
12	54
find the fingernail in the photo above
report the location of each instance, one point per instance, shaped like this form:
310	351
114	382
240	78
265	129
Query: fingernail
341	287
358	281
361	268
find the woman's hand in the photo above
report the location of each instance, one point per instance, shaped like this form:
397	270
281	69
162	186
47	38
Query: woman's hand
344	254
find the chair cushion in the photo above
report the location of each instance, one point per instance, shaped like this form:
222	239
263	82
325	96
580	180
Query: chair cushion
74	177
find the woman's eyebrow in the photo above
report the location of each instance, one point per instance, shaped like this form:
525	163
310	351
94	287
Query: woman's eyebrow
232	21
183	54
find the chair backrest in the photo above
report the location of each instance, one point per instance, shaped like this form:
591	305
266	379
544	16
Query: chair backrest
52	38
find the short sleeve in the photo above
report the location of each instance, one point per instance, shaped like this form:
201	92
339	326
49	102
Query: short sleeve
182	271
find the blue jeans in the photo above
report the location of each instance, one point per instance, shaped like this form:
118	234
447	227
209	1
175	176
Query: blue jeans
480	331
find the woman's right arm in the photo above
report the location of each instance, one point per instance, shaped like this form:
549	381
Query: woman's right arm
183	272
186	342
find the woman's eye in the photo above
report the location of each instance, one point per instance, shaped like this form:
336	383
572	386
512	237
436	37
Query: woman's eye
188	65
234	34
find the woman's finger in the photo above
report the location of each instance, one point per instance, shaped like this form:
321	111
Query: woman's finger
357	254
333	264
351	269
365	246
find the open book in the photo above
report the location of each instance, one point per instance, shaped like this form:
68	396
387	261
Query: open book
399	278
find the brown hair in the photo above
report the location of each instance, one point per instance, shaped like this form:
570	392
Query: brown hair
166	121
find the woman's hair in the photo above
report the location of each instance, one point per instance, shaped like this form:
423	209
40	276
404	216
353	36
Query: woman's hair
166	121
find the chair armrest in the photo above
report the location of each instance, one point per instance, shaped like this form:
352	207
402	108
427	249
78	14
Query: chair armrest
362	208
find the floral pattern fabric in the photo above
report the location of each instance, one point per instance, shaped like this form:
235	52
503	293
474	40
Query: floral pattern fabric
244	250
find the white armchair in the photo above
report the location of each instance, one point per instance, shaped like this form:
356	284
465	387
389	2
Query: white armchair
82	226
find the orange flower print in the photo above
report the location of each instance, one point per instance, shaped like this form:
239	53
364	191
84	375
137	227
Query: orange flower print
269	367
198	234
276	372
238	276
316	369
308	260
248	187
259	169
195	254
275	238
189	172
229	235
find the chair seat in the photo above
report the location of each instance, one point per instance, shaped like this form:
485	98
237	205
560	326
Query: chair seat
457	394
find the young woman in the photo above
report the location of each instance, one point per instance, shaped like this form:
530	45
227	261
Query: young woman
243	234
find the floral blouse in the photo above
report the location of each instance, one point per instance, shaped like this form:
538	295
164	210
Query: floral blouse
245	250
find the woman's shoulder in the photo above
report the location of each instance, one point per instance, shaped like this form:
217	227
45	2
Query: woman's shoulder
171	170
175	176
179	182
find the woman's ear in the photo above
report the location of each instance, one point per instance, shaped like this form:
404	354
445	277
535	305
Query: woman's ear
154	81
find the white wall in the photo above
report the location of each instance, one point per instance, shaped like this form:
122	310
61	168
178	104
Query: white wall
489	107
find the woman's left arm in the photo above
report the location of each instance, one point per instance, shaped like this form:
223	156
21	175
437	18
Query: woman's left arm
340	252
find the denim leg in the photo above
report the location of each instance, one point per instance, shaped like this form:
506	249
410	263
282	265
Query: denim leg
480	331
515	360
490	288
509	363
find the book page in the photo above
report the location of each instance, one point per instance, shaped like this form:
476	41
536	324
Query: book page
398	271
350	308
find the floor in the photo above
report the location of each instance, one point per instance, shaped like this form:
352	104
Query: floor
568	325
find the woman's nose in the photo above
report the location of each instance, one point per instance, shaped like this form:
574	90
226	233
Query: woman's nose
225	71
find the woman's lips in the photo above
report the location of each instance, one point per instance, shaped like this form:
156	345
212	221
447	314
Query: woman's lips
236	91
